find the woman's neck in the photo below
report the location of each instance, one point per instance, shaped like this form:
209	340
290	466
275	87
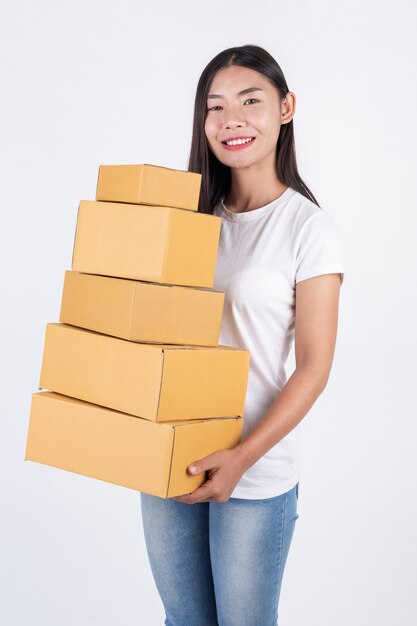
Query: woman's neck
251	189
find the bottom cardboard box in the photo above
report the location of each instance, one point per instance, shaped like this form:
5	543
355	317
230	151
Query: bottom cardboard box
123	449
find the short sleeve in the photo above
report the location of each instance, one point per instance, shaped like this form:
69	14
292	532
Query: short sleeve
318	250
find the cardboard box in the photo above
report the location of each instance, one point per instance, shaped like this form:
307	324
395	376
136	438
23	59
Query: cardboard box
156	244
141	311
122	449
149	184
158	382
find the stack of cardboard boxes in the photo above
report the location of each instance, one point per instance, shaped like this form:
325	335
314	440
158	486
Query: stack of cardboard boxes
138	385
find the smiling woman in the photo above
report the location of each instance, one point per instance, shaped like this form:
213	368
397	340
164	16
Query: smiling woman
280	266
263	119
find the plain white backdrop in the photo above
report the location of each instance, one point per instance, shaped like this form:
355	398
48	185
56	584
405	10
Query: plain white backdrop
91	82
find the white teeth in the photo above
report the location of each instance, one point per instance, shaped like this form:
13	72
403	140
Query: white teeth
236	142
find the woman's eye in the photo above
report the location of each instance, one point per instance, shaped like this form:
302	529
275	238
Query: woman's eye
219	107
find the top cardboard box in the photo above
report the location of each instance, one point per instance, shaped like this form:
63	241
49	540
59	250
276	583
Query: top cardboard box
149	184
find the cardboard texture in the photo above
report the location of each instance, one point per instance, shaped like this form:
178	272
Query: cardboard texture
156	244
158	382
122	449
141	311
149	184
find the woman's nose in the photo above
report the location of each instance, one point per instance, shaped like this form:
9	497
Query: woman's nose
235	124
233	118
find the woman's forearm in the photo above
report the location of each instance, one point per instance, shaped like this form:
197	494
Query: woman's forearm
291	405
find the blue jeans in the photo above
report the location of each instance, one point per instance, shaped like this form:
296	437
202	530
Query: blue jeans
219	563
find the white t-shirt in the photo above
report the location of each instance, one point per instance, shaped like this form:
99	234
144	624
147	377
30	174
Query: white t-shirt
262	254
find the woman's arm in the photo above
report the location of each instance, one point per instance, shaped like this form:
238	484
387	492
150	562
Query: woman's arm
316	318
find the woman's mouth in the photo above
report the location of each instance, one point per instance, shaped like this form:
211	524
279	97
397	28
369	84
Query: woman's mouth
238	144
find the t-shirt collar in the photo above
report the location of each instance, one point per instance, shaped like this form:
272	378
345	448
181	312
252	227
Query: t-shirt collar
254	214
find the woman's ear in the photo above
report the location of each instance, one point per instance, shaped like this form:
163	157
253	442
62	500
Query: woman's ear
288	105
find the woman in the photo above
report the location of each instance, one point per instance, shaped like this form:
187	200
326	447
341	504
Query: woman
218	554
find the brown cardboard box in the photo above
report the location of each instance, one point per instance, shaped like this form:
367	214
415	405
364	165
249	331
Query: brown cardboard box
156	244
158	382
149	184
141	311
122	449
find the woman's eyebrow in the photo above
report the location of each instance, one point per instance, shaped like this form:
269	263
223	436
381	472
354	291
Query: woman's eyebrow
248	90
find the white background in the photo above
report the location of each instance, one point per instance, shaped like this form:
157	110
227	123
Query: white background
91	82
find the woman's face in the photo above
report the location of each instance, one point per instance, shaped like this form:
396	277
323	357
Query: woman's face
255	114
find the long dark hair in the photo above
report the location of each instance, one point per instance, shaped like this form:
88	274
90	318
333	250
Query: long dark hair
216	177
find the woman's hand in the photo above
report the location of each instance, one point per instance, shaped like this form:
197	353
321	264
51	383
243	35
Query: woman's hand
224	468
